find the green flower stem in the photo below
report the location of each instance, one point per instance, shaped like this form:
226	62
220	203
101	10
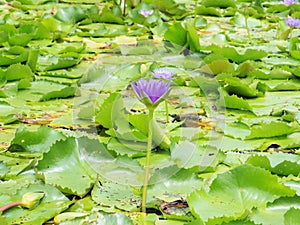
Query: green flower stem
248	29
291	32
147	166
167	111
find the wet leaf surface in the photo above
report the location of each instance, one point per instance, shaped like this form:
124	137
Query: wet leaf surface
71	127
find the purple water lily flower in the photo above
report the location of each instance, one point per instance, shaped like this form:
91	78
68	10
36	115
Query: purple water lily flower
292	22
151	92
289	2
145	12
163	73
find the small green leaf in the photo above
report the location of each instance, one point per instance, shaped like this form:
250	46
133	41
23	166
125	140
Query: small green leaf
218	66
18	71
70	14
62	93
291	217
176	34
219	3
109	110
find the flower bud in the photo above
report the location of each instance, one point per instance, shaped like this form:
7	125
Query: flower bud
31	199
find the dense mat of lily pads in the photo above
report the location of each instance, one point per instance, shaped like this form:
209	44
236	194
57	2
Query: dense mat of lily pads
74	135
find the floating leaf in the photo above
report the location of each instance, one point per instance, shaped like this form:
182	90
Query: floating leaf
54	63
18	71
54	201
62	93
219	3
271	129
218	66
188	155
291	217
70	14
18	55
38	141
240	56
176	34
116	195
235	193
65	168
109	110
278	163
275	212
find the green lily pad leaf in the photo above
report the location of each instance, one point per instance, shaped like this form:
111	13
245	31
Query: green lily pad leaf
38	141
68	216
36	29
274	74
219	3
207	11
275	212
85	204
54	201
192	38
17	55
172	222
239	222
111	15
71	73
62	93
188	155
3	170
109	110
9	187
240	55
65	168
18	71
100	218
229	144
179	185
71	14
218	66
277	8
116	195
16	164
52	62
291	217
235	102
176	34
271	129
242	87
21	39
6	109
235	193
9	90
277	162
103	30
279	85
129	148
116	219
285	142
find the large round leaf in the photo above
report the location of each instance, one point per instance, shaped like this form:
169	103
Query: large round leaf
63	167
